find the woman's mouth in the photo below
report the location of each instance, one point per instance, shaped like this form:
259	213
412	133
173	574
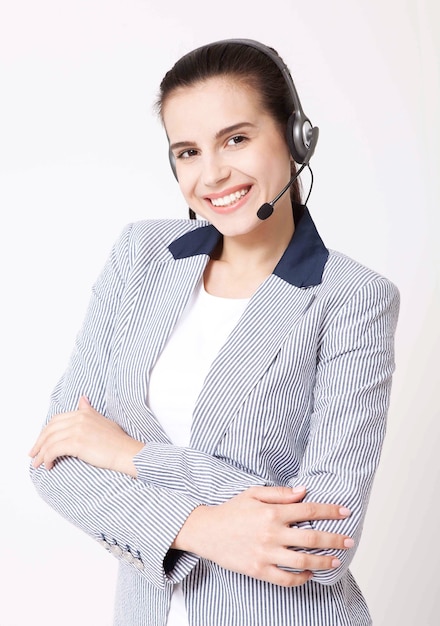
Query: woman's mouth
229	199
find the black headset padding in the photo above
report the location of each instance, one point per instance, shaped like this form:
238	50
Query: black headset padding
301	135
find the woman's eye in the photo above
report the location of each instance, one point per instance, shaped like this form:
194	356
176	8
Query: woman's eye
187	154
236	139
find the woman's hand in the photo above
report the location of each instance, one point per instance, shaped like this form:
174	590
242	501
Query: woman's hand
252	534
89	436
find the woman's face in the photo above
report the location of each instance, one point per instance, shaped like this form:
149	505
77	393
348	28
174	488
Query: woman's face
231	156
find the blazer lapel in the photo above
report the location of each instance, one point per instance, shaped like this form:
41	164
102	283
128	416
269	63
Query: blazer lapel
160	299
247	354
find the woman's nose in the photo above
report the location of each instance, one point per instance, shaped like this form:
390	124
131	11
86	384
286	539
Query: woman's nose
214	171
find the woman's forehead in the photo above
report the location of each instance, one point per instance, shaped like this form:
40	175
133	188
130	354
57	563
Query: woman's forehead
218	101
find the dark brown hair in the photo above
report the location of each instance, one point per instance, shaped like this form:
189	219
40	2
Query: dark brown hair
245	63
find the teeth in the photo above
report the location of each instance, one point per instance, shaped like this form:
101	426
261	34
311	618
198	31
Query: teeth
233	197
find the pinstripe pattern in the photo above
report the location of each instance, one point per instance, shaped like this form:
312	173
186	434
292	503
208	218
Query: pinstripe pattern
297	395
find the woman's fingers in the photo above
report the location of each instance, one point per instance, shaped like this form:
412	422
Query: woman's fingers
310	511
88	435
278	576
62	420
289	546
53	429
303	561
56	439
316	539
55	446
277	495
67	433
286	566
84	403
299	511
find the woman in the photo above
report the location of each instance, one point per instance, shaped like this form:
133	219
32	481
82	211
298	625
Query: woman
231	379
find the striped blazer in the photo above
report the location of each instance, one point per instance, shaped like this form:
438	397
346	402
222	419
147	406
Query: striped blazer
298	394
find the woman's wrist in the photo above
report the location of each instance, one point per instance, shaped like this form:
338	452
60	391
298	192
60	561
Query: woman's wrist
125	461
190	537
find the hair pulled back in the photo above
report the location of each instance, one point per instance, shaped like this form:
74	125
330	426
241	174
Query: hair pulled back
244	63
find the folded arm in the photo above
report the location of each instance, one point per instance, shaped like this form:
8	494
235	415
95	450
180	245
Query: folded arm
137	520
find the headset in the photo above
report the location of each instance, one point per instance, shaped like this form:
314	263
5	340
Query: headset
302	137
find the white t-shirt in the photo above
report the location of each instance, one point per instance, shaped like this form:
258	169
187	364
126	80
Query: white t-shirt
179	373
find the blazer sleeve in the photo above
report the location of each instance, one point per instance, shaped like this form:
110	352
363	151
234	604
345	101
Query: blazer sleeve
135	520
200	475
351	398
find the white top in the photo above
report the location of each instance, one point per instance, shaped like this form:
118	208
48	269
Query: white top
179	373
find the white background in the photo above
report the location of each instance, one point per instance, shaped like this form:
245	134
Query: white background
81	154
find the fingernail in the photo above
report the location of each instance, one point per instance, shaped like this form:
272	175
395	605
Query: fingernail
344	511
348	543
336	563
298	489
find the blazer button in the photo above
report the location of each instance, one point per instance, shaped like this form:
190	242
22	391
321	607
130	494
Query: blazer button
138	564
104	544
115	550
127	556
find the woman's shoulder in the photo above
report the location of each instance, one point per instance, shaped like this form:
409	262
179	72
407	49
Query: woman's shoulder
345	277
161	231
150	239
340	266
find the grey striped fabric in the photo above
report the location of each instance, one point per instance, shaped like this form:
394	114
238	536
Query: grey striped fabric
297	395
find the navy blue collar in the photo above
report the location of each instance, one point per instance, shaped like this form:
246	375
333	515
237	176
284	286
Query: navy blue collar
301	265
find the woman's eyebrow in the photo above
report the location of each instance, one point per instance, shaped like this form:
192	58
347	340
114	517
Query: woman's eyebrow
221	133
233	128
181	144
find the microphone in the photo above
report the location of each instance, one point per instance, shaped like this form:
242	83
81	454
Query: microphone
267	208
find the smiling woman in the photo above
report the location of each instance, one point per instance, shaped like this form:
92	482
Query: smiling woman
221	420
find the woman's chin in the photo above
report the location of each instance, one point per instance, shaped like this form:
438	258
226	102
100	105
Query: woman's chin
236	225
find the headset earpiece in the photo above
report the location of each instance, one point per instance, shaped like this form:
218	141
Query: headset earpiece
301	137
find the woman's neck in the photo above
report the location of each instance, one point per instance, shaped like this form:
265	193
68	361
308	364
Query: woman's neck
245	261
